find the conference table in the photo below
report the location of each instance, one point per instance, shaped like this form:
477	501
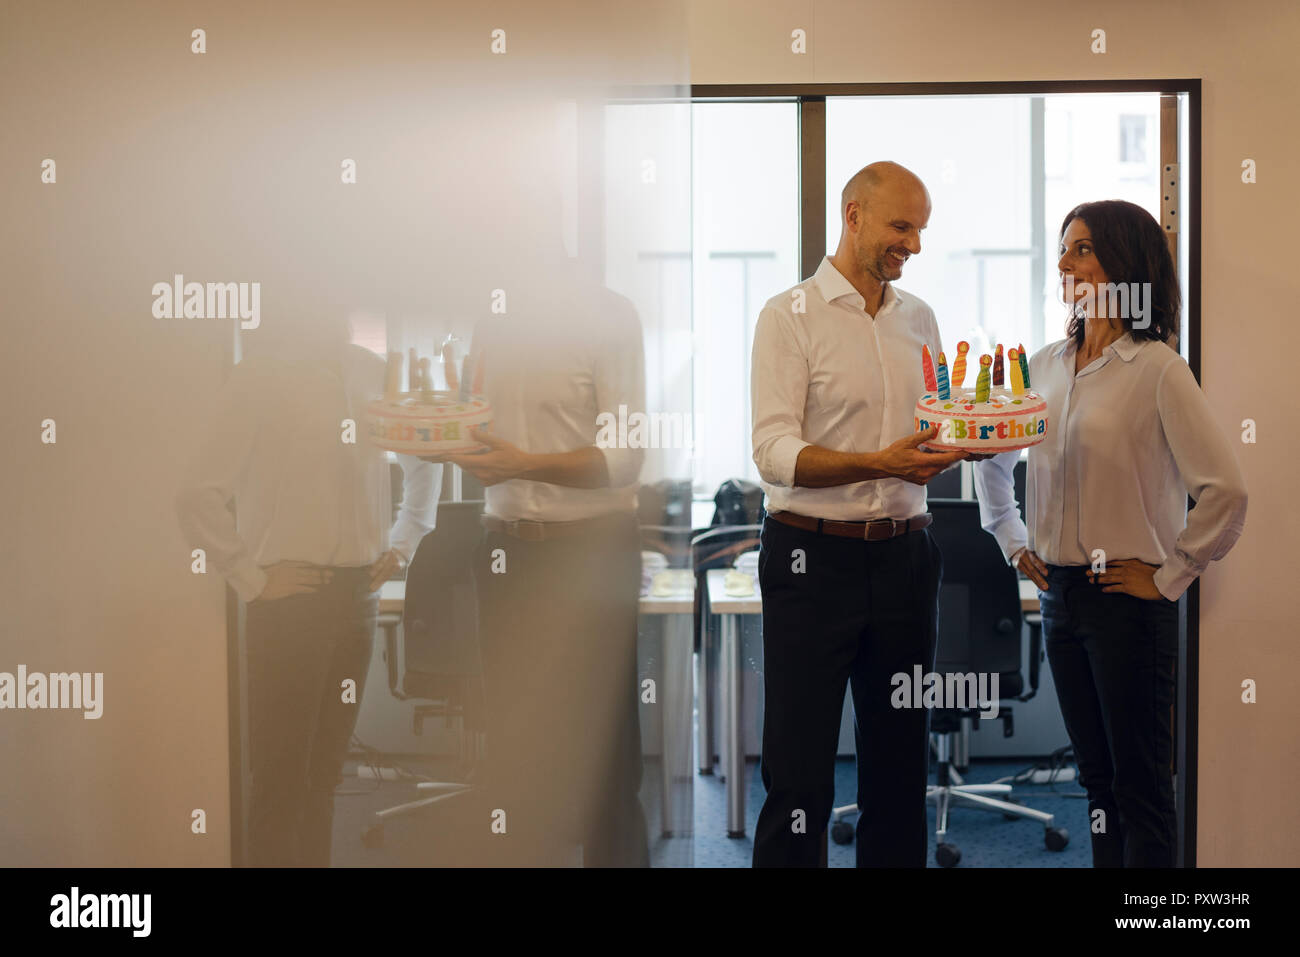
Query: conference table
673	690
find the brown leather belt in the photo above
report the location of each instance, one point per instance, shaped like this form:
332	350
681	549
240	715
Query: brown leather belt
878	530
530	531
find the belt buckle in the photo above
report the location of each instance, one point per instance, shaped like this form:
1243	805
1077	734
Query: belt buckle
894	526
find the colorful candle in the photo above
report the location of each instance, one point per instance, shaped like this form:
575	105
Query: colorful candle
466	370
982	383
959	365
1024	365
997	366
413	373
393	377
927	369
1017	380
942	375
426	376
449	367
478	374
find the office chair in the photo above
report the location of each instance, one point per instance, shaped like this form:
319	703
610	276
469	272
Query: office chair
979	632
436	661
737	520
716	548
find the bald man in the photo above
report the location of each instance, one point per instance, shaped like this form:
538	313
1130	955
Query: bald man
848	570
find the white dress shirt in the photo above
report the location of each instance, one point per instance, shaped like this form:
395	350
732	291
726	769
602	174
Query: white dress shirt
1128	439
832	375
566	351
275	445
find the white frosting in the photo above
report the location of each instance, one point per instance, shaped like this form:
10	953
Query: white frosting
1006	421
427	423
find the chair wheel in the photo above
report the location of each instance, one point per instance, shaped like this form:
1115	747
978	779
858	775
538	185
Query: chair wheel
948	855
372	835
842	832
1056	838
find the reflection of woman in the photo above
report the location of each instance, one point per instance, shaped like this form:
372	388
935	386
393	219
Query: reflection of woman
1130	437
313	542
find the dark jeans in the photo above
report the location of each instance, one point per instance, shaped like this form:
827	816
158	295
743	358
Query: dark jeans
300	650
858	613
1114	659
558	633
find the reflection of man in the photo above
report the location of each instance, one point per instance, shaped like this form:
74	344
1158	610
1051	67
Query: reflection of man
310	550
849	574
558	574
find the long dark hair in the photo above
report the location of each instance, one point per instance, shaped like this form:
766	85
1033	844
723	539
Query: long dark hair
1131	247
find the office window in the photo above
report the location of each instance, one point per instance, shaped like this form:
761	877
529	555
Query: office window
976	262
745	238
1132	138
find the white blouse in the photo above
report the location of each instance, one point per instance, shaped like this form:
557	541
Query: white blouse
1129	438
275	445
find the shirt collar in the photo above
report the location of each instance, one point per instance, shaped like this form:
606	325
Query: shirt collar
833	284
1126	347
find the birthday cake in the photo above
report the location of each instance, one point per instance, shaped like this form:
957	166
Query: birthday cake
994	416
424	420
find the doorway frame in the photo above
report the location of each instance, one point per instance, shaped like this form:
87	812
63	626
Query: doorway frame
811	99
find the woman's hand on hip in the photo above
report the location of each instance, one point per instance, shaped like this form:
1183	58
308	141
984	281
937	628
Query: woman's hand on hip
384	567
1035	568
1130	577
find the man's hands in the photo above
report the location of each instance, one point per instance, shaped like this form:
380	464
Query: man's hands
1129	576
499	462
906	461
292	578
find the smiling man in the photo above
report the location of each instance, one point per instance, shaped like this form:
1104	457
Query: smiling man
849	573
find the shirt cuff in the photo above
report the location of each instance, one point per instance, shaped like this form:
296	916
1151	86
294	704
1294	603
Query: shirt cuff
247	579
405	538
622	465
1173	578
783	455
1011	539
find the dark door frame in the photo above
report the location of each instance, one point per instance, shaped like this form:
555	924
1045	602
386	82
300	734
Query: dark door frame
811	98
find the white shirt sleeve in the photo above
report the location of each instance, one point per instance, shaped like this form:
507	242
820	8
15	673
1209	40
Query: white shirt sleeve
418	512
999	512
211	480
619	379
1211	474
778	393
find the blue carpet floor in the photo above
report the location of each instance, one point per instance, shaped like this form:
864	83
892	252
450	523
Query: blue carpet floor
986	839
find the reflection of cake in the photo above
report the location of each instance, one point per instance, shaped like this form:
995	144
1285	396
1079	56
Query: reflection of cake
425	421
993	416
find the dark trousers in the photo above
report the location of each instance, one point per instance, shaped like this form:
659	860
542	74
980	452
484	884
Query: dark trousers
558	633
1114	659
837	611
300	650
